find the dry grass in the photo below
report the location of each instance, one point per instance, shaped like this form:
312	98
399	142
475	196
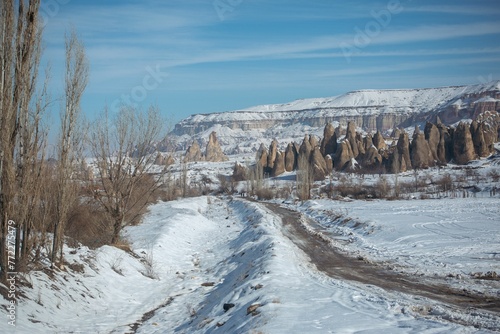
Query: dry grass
123	244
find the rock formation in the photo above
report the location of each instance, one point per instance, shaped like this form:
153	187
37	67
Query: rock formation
291	156
164	161
372	158
367	142
278	164
170	160
395	162
351	138
193	153
396	132
343	156
445	147
318	164
313	141
329	142
379	141
433	138
463	147
261	156
478	132
214	151
329	163
403	148
160	159
361	146
438	144
305	148
273	150
420	153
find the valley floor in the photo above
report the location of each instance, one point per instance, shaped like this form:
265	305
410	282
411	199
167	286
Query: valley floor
224	265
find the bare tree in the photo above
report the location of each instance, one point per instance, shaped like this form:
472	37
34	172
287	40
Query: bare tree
256	178
122	146
183	181
305	178
71	136
22	138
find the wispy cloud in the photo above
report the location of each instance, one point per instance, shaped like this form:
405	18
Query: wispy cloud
394	53
127	57
409	66
474	9
299	49
173	35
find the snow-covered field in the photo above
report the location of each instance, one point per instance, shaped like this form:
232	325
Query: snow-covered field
223	265
457	239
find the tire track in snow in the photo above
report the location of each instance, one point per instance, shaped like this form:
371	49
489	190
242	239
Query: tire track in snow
340	266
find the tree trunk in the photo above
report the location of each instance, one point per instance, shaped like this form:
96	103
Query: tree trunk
117	228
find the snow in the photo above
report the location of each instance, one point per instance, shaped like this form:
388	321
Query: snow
192	256
426	98
454	238
487	99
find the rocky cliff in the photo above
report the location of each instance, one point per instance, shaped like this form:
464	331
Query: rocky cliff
369	110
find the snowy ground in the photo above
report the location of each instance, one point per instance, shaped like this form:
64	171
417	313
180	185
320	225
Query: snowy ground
457	239
195	258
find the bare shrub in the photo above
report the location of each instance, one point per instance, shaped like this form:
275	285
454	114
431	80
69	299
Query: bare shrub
470	173
149	265
382	188
89	225
77	267
347	187
460	179
420	181
284	192
224	184
343	185
406	187
494	175
265	194
445	183
115	265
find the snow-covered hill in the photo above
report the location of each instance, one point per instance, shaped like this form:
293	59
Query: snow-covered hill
371	110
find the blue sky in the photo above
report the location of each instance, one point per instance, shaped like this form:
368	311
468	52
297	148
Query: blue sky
201	56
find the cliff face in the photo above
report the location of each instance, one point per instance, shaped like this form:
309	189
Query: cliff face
370	110
371	122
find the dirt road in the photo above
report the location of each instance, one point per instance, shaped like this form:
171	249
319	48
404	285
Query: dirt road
341	266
